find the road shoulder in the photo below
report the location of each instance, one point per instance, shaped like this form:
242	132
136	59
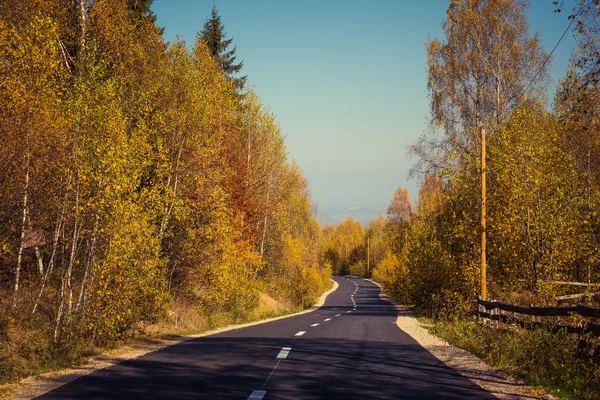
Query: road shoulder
463	362
34	386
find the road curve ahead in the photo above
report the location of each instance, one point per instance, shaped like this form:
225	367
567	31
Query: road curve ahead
351	348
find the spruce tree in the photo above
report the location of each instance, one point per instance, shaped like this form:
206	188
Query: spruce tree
214	34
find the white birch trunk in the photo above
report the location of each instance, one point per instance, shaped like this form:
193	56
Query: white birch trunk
23	228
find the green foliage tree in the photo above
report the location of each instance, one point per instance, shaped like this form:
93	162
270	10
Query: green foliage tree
213	33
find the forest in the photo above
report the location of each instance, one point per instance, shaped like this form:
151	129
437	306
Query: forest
145	188
142	183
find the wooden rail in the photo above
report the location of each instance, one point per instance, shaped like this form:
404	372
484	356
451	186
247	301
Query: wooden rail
547	317
576	296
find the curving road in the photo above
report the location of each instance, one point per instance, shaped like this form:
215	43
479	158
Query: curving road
351	348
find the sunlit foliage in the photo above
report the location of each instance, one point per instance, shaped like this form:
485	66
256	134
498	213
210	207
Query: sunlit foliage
136	175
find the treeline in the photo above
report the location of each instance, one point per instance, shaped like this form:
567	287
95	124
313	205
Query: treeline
543	167
136	175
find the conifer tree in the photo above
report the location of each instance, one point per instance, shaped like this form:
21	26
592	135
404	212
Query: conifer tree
213	33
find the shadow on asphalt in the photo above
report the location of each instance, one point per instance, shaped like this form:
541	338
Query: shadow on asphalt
214	368
326	366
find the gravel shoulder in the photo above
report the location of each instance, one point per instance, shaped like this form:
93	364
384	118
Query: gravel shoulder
34	386
465	363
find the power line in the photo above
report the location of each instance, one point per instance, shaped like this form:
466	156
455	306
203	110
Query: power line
546	60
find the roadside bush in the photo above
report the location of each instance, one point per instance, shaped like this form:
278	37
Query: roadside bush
553	360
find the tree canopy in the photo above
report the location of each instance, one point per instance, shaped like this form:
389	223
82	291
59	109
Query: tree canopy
213	33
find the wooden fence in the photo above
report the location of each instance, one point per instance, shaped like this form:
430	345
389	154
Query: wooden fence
552	318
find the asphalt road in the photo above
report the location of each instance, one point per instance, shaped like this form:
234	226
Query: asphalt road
351	348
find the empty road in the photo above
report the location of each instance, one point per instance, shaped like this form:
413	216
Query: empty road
351	348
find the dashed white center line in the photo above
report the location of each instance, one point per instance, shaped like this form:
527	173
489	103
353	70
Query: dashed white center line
284	353
315	324
337	315
300	333
327	319
257	395
349	311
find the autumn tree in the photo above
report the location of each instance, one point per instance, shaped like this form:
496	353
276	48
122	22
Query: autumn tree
535	217
478	75
378	239
137	181
488	66
576	105
344	247
399	213
587	30
292	248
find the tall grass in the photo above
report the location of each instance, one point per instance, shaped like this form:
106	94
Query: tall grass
556	361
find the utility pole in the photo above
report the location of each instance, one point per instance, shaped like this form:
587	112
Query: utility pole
483	218
368	255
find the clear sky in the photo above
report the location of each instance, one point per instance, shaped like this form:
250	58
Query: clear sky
346	80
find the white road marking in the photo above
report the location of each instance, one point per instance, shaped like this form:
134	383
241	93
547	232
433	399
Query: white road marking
337	315
267	381
315	325
354	309
327	319
257	395
284	352
300	333
348	311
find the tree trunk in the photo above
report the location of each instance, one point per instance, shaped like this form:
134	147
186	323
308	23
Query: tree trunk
83	10
89	262
264	233
23	227
52	257
74	244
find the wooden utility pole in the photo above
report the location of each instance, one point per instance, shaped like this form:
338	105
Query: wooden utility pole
368	255
483	221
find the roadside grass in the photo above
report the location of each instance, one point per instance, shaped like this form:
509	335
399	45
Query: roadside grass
554	361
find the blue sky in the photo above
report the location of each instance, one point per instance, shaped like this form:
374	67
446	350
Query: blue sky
346	81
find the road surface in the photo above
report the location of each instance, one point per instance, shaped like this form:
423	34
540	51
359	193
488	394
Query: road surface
351	348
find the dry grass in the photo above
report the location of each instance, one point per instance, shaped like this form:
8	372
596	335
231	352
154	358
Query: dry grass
190	324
